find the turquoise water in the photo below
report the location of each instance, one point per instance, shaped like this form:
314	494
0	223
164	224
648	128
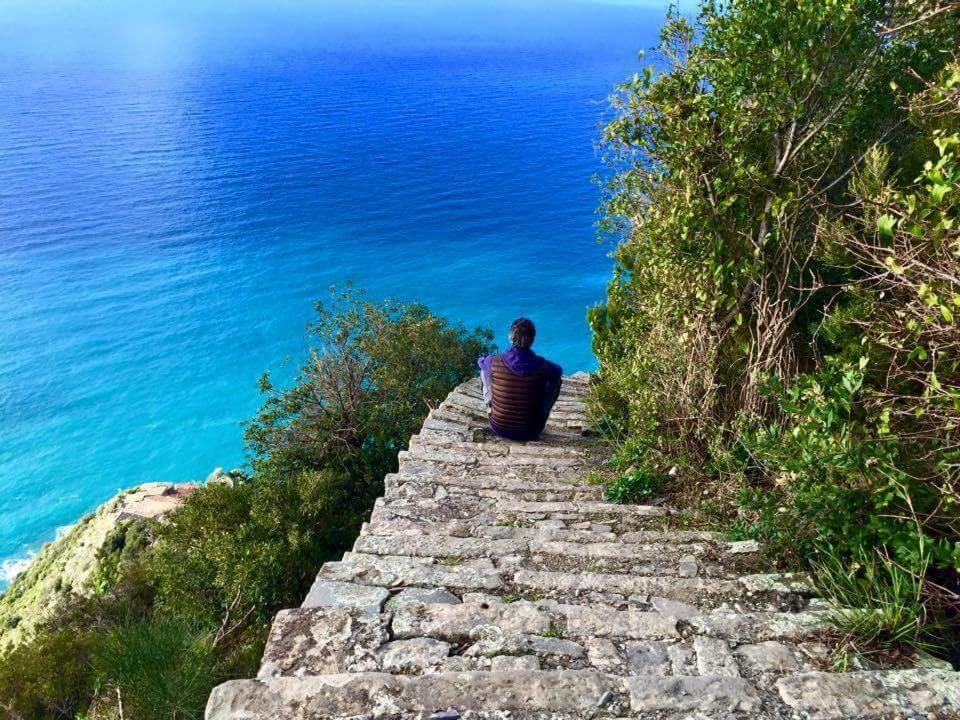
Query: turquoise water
178	185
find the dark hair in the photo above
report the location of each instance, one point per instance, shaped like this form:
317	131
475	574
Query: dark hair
522	333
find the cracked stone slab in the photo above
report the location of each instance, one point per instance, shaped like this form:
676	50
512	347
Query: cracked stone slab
874	694
769	656
778	583
599	621
329	593
317	641
603	654
491	641
760	626
381	695
648	658
673	608
456	623
714	657
425	596
707	695
413	656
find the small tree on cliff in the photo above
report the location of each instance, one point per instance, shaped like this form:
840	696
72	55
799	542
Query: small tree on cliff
372	373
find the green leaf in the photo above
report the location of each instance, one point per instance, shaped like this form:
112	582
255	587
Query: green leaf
885	224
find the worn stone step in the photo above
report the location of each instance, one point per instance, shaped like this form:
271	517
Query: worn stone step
871	694
434	546
488	457
495	481
437	546
592	532
380	695
696	591
462	622
394	571
491	487
584	510
485	511
759	626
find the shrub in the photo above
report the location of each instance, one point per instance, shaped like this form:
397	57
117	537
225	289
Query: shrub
232	556
877	602
372	374
162	669
781	319
634	486
49	675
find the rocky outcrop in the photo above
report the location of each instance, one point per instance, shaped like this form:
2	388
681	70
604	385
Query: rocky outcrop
68	565
493	581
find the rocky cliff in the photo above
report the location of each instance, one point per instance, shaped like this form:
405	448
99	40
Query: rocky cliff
69	564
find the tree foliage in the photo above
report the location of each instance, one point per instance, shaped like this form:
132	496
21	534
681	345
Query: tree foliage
781	319
372	373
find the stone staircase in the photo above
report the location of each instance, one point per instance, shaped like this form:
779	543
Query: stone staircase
493	581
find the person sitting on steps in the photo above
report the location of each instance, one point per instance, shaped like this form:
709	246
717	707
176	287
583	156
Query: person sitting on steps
519	386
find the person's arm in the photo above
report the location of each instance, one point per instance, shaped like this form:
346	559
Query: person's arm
554	383
485	364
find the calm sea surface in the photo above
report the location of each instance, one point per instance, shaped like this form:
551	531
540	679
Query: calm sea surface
178	185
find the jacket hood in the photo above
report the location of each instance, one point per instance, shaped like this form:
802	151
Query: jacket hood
521	362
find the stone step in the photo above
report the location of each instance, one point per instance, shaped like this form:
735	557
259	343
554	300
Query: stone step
442	634
583	510
442	453
479	510
544	530
871	694
696	591
434	546
760	626
395	571
573	692
494	481
402	485
457	623
498	447
667	559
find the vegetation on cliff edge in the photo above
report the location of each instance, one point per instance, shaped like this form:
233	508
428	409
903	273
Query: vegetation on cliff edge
779	344
183	604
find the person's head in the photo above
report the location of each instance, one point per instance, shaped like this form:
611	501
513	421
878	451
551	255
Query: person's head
522	333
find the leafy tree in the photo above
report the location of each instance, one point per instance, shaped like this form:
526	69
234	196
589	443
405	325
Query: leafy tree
781	320
372	374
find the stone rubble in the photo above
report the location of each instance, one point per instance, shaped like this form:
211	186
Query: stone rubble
493	581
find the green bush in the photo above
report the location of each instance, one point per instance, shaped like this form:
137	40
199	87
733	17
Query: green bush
634	486
781	320
49	676
232	556
162	669
372	373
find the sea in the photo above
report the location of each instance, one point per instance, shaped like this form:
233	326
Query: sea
180	181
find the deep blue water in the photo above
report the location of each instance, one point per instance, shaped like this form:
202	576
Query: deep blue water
178	185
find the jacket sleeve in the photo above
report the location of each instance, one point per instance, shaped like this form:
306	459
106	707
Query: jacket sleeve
485	364
554	382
